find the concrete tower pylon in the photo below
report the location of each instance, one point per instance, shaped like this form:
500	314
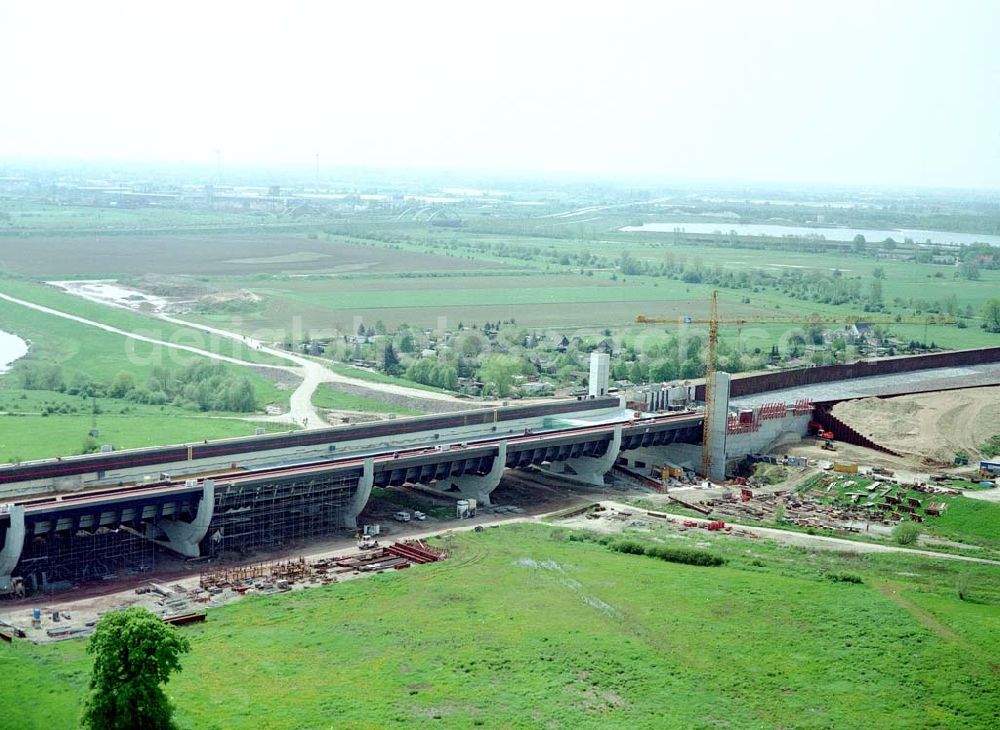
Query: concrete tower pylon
718	421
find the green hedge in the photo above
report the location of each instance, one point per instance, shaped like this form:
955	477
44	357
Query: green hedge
670	554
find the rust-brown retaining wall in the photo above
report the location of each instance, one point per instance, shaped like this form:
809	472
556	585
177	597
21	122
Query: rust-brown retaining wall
842	432
764	382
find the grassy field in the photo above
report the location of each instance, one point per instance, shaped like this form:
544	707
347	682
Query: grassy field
122	319
546	294
27	434
327	396
213	252
524	628
23	438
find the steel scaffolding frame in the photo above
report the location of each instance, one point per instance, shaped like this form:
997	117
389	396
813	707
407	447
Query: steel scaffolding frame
84	555
250	517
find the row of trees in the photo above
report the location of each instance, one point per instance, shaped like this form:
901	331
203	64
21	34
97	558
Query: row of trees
202	385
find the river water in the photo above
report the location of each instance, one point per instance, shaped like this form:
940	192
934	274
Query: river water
12	348
831	234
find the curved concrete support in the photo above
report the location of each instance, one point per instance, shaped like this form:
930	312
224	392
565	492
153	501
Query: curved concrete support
590	469
12	547
477	487
184	537
361	495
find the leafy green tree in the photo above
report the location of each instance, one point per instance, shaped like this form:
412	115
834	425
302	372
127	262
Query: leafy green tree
124	383
970	270
663	371
472	345
407	343
498	372
134	653
692	369
991	315
390	361
859	243
875	295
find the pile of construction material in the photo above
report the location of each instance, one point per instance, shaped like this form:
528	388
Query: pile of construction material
284	576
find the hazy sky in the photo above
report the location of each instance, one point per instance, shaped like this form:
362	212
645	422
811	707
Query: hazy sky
848	92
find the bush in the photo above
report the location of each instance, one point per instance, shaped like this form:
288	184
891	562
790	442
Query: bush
685	555
630	547
844	578
906	533
670	554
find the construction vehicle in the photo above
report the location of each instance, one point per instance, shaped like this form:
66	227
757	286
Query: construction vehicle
714	321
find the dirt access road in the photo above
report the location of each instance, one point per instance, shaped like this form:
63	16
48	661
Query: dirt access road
301	410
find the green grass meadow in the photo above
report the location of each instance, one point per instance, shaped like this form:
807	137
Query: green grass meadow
524	628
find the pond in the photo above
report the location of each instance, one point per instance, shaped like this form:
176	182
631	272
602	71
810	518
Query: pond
12	348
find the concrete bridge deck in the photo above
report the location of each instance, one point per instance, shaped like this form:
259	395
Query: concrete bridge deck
241	509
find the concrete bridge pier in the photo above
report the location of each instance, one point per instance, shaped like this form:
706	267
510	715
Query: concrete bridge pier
12	546
361	495
184	538
478	487
590	469
718	421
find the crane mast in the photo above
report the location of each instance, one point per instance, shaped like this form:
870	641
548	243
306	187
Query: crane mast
713	322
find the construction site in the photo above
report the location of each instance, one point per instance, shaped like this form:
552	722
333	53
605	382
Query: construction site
854	466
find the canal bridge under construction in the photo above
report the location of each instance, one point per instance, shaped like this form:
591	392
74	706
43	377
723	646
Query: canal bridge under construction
85	517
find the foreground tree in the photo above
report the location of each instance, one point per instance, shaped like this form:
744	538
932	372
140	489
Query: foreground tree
134	653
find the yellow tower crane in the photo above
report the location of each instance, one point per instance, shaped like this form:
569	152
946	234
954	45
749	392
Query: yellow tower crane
714	321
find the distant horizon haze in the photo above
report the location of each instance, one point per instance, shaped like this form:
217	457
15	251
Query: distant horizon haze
852	94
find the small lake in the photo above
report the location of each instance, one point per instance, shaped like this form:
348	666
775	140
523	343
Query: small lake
831	234
12	348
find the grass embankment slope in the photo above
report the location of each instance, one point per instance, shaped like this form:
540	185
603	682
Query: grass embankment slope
524	628
328	396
